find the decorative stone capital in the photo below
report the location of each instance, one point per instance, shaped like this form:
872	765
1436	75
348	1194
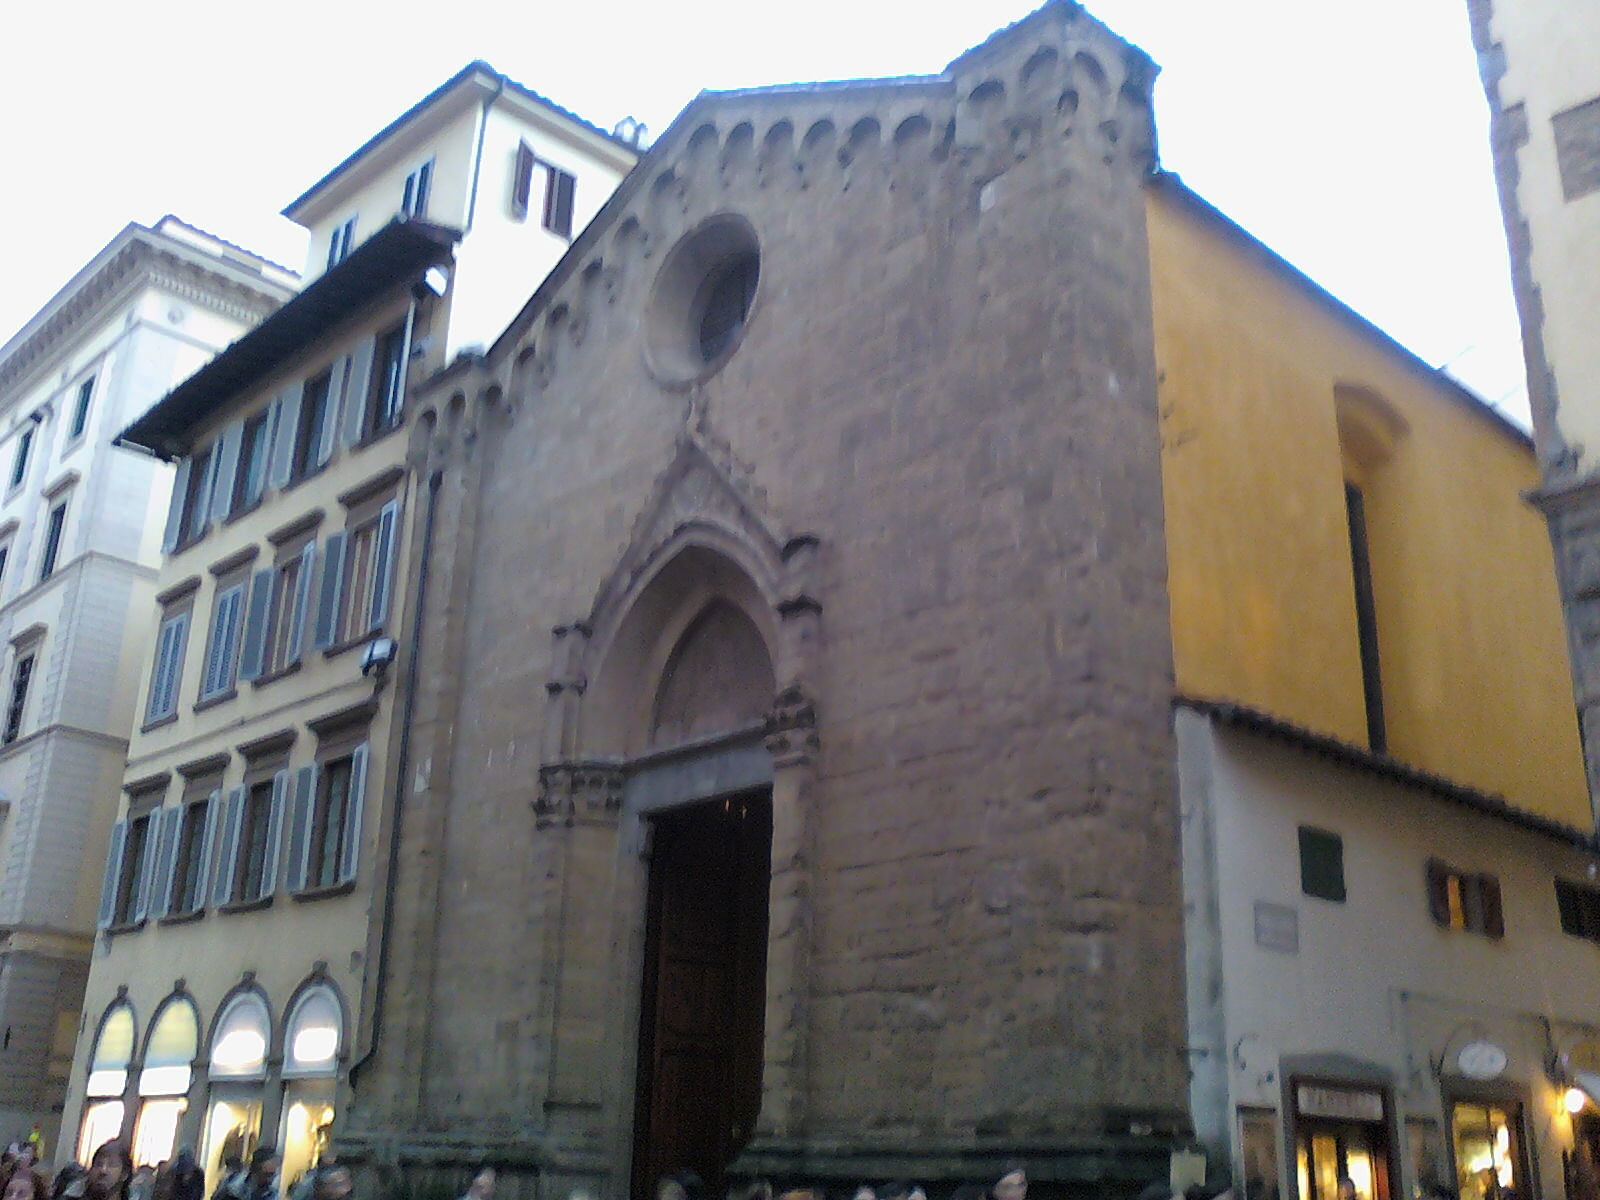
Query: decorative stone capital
570	792
791	728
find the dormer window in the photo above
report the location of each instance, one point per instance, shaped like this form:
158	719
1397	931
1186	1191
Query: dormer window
419	183
341	243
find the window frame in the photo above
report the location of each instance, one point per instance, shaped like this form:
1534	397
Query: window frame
79	424
1464	901
312	425
24	454
1578	909
560	200
417	191
183	611
242	500
252	813
316	868
132	884
230	587
55	533
23	668
341	241
384	403
194	848
1310	837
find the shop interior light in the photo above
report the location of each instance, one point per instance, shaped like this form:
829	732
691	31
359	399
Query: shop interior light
315	1044
1574	1100
239	1049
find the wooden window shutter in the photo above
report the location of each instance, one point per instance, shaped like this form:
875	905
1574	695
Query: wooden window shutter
383	556
302	603
208	846
228	848
522	181
226	457
338	394
166	857
329	586
356	387
180	489
287	425
558	194
299	849
113	875
269	862
1494	917
1439	892
350	851
144	885
253	651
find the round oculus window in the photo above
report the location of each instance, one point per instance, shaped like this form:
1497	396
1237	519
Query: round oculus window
702	301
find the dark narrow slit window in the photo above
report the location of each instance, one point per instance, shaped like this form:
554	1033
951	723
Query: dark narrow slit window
1366	617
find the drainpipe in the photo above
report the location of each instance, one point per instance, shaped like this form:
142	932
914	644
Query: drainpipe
402	765
477	152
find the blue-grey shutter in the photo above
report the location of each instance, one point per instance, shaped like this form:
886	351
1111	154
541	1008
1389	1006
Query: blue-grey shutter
113	875
166	857
338	389
169	664
202	494
302	602
226	457
350	852
180	489
299	850
269	861
288	429
208	847
328	589
253	652
355	393
228	848
224	641
383	557
145	884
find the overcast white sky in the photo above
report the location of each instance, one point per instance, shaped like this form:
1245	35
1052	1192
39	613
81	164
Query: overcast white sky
1352	138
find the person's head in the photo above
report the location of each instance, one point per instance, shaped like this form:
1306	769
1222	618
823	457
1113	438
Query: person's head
109	1171
1012	1182
681	1185
481	1183
331	1182
864	1192
1347	1188
24	1183
232	1164
264	1163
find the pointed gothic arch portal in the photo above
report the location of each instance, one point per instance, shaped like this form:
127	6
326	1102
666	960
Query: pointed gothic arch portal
697	661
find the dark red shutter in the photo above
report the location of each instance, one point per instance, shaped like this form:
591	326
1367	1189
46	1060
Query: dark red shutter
1439	892
1494	920
559	203
522	182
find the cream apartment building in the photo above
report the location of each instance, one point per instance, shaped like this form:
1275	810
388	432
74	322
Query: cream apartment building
79	543
1542	76
242	904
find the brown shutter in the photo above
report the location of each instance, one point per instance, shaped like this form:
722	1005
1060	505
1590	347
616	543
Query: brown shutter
522	182
1494	920
1439	892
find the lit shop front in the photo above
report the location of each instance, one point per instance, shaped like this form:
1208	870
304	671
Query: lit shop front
1487	1144
313	1041
103	1107
238	1078
1342	1131
170	1050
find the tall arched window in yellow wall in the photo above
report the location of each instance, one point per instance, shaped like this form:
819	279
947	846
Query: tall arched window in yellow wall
108	1080
169	1055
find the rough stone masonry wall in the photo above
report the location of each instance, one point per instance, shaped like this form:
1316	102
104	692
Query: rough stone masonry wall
948	378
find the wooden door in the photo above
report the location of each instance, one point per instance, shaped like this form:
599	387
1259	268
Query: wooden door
704	989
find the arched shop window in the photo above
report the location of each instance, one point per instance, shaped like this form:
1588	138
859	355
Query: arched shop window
171	1047
313	1040
238	1058
108	1079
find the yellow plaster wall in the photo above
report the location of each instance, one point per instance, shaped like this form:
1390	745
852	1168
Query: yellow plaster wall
1474	666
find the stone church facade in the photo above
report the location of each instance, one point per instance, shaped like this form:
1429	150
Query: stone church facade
789	773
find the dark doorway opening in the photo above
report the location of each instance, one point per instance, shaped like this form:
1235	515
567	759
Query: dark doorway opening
705	966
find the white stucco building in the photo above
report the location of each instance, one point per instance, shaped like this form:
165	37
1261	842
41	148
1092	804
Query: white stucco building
1391	977
80	532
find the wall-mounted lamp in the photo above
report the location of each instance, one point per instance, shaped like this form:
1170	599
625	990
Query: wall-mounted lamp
1574	1099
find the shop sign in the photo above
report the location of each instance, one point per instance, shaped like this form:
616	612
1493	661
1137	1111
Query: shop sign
1345	1104
1584	1056
1481	1060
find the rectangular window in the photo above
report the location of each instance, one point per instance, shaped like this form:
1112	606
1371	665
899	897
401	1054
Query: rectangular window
1462	900
21	677
325	819
80	409
329	824
222	653
171	641
196	498
387	388
255	449
52	540
189	869
1580	909
19	465
131	876
286	613
369	551
314	403
415	201
1321	864
341	243
253	841
1366	616
522	181
5	555
559	188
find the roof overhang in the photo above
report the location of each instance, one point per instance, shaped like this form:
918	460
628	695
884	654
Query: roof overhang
390	259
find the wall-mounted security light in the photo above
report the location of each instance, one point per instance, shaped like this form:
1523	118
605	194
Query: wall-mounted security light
377	656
